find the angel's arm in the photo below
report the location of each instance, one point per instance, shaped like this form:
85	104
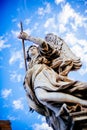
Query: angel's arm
35	40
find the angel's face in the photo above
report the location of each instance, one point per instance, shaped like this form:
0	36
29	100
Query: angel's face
33	51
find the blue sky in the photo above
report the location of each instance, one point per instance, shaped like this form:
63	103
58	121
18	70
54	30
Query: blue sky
66	18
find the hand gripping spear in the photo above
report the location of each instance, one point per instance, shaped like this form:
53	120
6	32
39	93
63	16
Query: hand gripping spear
23	47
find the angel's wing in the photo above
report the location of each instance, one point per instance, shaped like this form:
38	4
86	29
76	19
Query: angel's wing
65	52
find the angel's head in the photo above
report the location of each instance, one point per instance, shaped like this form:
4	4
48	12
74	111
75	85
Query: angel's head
32	51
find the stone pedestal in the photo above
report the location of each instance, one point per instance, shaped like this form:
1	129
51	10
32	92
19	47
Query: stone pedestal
80	119
72	121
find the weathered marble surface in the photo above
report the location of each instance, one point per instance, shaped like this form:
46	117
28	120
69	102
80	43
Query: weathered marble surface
49	90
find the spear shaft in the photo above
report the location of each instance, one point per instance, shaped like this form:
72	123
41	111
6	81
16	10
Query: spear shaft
23	47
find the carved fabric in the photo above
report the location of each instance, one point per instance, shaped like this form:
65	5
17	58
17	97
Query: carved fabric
46	78
47	72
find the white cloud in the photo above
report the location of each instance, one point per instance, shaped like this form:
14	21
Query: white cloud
28	31
50	24
79	20
43	126
83	71
39	116
43	119
17	56
12	118
35	27
27	21
66	13
3	43
59	1
69	16
17	104
15	33
6	92
85	11
66	20
14	20
62	28
42	11
79	48
71	39
18	25
16	77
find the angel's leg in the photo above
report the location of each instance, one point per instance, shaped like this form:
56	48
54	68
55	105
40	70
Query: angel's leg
58	97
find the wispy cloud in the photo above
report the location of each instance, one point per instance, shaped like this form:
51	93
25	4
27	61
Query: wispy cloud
17	56
28	31
43	126
59	1
85	11
18	104
12	118
69	16
83	71
50	21
66	20
78	45
50	25
14	20
15	77
27	21
6	92
3	43
42	11
15	33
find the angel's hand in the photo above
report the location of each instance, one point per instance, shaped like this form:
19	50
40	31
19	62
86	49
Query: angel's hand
23	35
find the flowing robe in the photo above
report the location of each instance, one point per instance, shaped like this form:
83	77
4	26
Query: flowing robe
41	74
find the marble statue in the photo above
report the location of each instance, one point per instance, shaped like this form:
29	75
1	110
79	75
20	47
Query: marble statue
49	90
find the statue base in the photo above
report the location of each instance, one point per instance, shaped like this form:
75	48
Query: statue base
80	119
72	121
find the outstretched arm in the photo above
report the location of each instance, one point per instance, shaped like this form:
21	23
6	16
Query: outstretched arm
25	36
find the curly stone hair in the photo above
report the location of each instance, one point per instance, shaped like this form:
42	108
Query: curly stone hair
28	57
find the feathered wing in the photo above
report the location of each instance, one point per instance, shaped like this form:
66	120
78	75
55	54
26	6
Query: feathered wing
67	54
66	60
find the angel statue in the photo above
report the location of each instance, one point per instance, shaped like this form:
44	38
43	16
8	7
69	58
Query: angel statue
49	90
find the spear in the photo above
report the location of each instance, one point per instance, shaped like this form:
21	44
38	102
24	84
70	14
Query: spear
23	47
